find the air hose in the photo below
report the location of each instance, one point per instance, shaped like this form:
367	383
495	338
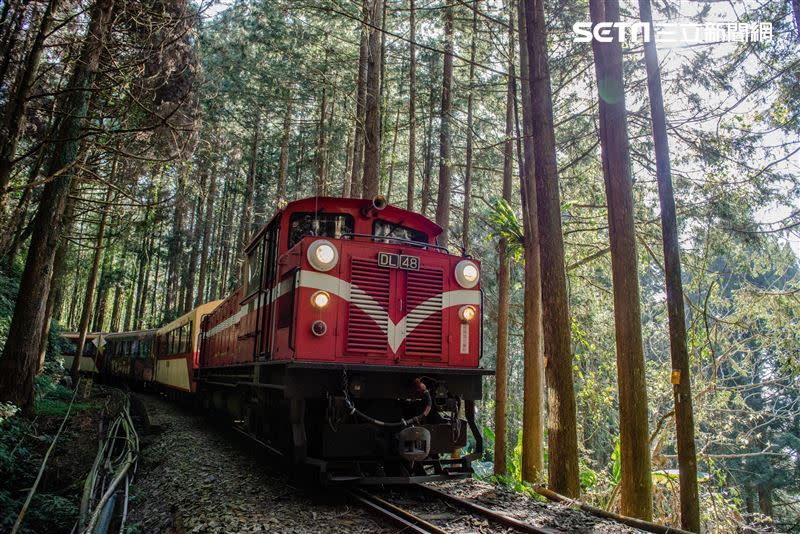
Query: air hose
421	388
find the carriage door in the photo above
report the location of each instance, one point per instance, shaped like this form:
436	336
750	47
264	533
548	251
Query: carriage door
270	274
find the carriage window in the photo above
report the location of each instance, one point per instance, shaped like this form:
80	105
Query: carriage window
254	269
318	224
382	228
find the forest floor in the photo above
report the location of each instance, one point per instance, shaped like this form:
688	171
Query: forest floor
24	442
193	477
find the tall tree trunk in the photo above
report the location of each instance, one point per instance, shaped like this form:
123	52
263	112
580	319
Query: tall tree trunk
247	213
283	162
361	98
465	242
322	149
533	407
501	368
14	118
427	170
176	242
348	166
90	285
393	156
682	383
55	295
636	496
372	126
20	354
445	165
412	107
191	270
99	314
116	308
207	222
561	423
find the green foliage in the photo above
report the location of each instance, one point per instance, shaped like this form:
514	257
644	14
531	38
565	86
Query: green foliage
507	225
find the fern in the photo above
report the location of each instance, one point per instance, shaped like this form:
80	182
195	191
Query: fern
507	225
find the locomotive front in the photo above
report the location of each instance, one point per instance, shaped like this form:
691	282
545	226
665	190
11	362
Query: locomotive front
371	342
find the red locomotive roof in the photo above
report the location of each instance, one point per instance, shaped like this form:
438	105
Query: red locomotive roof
354	206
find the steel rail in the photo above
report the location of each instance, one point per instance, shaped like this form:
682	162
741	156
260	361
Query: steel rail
404	518
492	515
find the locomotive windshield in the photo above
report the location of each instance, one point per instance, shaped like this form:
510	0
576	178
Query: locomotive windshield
382	228
318	224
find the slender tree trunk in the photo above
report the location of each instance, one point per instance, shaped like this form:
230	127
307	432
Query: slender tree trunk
247	213
636	495
348	166
765	500
427	171
176	243
561	424
14	118
20	354
533	407
465	242
207	222
283	162
191	271
445	165
501	368
393	156
90	285
116	308
372	126
361	98
57	284
681	382
412	107
99	314
321	152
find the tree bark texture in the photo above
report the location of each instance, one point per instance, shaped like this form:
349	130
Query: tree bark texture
503	281
465	242
361	97
563	473
372	126
682	382
412	106
636	483
445	165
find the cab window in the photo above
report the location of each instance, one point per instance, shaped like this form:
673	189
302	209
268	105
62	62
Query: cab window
254	261
318	224
381	228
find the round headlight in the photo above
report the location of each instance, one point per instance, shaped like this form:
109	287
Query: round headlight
320	299
467	274
467	313
322	255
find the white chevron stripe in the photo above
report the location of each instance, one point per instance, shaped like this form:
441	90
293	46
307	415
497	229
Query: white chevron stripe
396	333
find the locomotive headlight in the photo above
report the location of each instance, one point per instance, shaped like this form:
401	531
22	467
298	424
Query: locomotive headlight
320	299
467	274
322	255
467	313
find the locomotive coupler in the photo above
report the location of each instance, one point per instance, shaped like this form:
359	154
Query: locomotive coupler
414	443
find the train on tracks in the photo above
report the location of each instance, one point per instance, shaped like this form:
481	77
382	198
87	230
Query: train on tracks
352	347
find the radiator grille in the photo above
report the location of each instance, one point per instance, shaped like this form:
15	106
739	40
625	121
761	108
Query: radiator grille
369	300
424	320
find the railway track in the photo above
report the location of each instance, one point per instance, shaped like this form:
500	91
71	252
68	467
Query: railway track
412	522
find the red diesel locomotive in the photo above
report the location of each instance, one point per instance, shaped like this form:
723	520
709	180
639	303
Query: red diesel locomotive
353	346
